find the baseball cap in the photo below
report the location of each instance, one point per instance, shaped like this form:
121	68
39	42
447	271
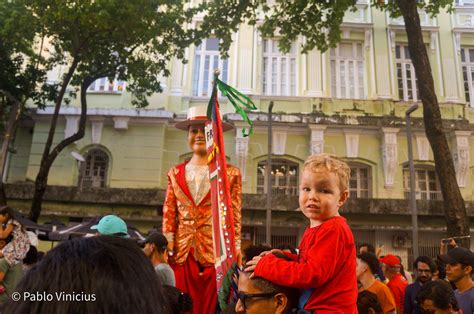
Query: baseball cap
158	239
458	255
112	225
390	260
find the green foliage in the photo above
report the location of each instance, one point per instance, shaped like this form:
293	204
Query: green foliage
318	22
131	41
19	66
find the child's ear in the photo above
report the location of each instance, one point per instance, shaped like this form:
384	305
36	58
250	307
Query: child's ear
343	198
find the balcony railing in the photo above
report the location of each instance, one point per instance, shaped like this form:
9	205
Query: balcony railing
426	195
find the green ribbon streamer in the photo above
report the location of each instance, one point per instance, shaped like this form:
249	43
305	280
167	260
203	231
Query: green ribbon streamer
238	100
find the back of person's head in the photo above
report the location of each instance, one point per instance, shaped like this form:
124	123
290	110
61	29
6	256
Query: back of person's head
266	286
440	293
101	274
287	247
392	263
31	257
112	225
370	247
331	163
255	250
158	240
367	303
425	260
371	260
178	301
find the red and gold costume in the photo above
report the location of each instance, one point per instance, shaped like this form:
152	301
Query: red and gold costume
189	226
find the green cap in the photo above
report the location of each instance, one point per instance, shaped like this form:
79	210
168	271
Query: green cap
112	225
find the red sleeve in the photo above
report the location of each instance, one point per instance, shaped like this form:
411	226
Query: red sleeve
294	257
322	261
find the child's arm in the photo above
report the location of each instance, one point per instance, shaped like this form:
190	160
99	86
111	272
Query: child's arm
5	232
324	260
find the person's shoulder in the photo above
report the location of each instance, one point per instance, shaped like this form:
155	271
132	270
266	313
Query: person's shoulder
232	170
336	224
176	168
163	266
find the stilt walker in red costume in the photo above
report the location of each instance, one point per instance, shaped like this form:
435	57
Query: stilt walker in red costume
187	216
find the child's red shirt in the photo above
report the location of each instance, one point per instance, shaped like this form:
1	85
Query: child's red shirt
325	269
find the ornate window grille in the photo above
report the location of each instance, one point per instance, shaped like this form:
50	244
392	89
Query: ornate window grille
94	170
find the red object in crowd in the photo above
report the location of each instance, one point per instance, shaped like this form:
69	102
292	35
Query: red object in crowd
397	286
390	260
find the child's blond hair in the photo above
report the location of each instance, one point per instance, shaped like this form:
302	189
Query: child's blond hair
331	163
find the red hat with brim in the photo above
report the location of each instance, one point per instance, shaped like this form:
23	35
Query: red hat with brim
198	115
390	260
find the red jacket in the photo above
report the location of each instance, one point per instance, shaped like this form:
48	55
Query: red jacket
397	286
326	268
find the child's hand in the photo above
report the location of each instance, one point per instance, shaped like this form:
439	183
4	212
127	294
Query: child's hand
252	264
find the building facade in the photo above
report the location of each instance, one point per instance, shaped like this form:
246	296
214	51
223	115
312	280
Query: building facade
349	101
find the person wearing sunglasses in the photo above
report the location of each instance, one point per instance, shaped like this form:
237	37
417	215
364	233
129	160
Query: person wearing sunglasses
258	295
437	297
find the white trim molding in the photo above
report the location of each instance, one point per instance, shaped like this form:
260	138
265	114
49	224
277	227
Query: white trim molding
241	151
317	138
461	156
389	154
352	143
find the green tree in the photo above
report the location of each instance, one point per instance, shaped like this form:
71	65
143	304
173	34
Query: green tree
19	73
127	40
319	23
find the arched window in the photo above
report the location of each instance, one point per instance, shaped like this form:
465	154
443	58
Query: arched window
360	180
94	169
284	177
426	184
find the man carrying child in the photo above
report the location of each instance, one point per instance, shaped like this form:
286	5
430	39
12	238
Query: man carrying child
325	269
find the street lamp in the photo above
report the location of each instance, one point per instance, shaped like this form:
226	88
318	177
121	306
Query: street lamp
268	178
414	211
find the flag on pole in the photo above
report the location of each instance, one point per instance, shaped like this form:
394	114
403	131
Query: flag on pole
222	211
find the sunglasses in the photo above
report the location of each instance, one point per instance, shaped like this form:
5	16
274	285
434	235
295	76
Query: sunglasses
244	297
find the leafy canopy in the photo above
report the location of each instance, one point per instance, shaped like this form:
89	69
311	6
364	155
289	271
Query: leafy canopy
317	21
127	40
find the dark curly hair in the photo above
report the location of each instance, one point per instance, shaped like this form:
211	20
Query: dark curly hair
440	293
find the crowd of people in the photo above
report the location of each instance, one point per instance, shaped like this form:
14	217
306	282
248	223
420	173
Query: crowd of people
441	285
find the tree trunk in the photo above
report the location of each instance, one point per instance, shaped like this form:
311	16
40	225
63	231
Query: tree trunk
47	159
457	221
10	130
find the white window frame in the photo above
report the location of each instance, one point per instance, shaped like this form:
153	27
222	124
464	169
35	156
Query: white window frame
103	85
359	191
406	66
467	66
422	184
279	71
94	179
201	81
464	2
354	61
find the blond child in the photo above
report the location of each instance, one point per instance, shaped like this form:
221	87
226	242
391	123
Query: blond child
325	269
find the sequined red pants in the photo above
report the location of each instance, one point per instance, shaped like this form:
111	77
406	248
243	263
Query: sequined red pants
199	282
